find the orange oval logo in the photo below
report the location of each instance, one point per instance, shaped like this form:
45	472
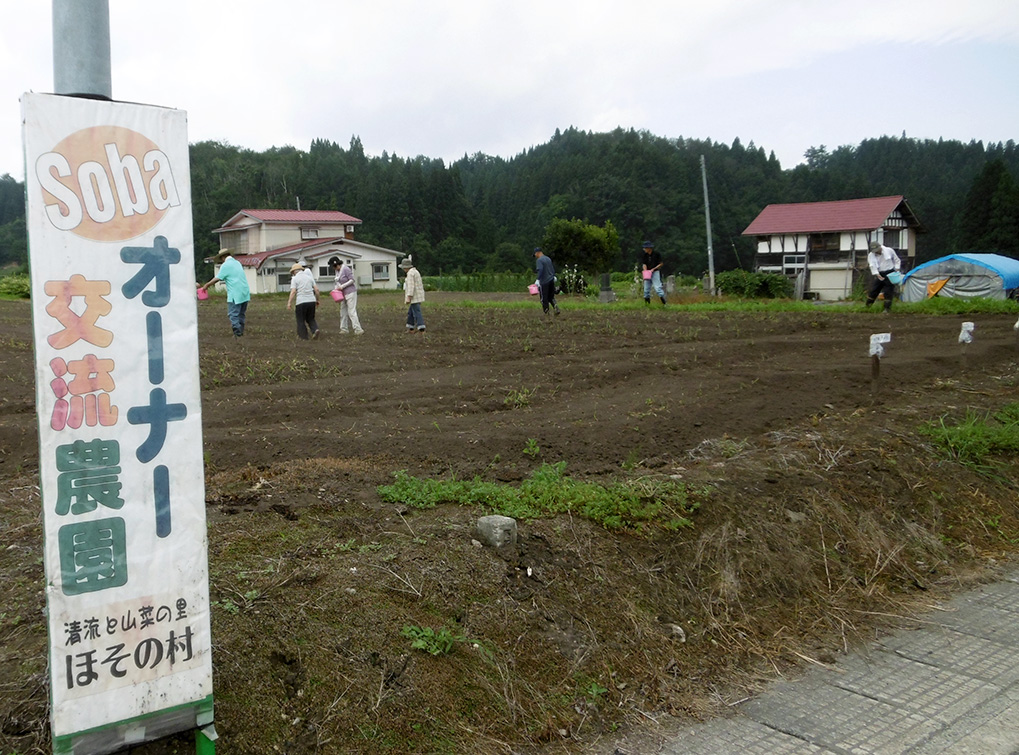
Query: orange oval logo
106	183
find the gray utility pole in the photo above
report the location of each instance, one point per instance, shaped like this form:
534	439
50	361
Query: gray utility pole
81	48
707	222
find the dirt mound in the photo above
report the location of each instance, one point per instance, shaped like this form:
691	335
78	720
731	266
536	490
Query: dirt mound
343	623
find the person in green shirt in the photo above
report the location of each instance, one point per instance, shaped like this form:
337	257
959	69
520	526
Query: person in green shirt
238	293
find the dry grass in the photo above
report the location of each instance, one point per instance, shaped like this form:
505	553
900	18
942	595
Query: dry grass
811	539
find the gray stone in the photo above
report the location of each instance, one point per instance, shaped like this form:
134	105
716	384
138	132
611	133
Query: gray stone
497	531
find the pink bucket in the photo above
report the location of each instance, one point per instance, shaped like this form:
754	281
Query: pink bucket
203	294
533	289
648	274
336	294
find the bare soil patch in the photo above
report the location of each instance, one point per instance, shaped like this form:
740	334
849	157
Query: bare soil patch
823	514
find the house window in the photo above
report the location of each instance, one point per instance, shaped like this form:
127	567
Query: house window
380	272
892	238
793	263
323	271
235	240
309	233
283	280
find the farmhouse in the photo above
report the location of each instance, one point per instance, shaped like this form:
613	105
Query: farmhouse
823	245
267	243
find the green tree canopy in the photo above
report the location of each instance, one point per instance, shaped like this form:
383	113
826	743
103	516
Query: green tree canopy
592	248
989	221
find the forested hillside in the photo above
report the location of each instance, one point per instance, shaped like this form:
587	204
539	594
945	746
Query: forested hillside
486	213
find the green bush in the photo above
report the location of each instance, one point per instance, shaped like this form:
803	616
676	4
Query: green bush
16	286
748	285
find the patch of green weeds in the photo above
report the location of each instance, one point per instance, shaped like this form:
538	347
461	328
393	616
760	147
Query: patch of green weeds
636	505
517	399
531	448
594	691
227	605
994	524
632	460
441	642
974	440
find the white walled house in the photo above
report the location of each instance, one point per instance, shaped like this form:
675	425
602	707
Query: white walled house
267	243
823	245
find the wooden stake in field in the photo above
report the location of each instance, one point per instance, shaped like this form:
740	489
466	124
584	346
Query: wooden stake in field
965	338
877	350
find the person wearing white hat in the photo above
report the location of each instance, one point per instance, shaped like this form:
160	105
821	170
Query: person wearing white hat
303	290
414	295
238	293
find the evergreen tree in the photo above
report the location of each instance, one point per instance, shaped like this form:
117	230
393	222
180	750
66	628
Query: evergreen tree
989	221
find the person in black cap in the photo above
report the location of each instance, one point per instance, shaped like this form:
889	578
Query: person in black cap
546	280
651	262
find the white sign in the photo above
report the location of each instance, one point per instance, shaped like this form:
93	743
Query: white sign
120	444
877	342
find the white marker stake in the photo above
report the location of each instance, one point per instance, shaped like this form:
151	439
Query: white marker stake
965	338
877	350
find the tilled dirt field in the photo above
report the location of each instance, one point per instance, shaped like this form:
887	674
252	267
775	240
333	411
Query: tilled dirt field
806	470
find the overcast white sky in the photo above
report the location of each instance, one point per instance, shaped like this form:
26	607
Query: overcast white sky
444	78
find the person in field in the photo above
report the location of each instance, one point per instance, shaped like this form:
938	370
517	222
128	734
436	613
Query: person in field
238	293
546	281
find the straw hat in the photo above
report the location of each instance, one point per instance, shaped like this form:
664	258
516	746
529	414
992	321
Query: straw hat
296	268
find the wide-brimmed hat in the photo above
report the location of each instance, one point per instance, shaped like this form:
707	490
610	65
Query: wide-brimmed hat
221	255
296	268
407	264
647	245
874	246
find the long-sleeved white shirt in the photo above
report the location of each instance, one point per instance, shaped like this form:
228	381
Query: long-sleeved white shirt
883	261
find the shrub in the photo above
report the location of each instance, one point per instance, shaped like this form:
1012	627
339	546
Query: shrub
777	286
16	285
749	285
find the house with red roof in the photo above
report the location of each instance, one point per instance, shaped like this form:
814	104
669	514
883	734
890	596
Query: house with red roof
823	245
267	243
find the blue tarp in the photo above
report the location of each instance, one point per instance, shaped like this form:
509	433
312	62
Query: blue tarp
966	275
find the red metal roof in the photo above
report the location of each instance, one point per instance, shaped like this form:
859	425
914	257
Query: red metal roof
257	260
301	216
827	217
